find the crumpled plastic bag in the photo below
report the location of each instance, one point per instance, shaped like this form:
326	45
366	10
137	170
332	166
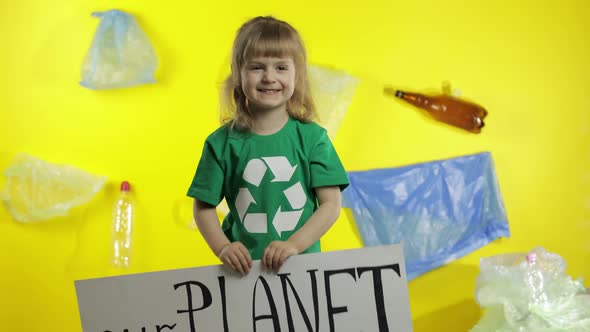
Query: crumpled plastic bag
439	210
530	293
332	93
36	190
121	54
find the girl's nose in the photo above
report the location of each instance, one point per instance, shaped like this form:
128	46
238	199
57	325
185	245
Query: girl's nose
268	76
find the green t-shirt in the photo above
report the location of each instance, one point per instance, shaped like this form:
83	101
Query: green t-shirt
267	181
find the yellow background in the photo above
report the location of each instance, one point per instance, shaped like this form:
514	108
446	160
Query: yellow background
525	61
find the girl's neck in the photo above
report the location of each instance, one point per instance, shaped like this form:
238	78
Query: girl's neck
268	123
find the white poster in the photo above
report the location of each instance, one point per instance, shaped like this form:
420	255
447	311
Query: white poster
351	290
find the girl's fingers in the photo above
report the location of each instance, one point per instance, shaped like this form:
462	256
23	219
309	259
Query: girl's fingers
265	256
227	261
237	257
235	263
269	258
233	260
285	254
275	261
243	262
246	254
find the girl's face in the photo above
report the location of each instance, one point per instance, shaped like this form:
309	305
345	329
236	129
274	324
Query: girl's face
268	83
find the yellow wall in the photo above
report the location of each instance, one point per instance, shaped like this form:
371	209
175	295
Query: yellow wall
525	61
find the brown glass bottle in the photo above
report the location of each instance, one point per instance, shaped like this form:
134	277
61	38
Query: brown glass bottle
447	109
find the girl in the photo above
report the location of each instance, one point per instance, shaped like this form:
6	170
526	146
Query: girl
277	170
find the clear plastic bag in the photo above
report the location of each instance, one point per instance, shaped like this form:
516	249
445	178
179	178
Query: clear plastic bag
332	92
439	210
529	293
121	54
36	190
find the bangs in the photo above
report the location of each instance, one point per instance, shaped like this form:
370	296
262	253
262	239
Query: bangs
273	41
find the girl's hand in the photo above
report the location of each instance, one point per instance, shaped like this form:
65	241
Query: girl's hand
237	257
277	253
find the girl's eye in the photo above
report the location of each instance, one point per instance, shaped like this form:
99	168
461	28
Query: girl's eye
256	68
283	68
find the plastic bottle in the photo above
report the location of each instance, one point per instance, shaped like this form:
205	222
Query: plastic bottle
447	109
122	227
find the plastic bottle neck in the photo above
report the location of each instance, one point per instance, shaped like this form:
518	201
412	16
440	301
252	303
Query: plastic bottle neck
125	186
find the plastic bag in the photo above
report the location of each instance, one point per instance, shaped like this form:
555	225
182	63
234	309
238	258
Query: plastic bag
37	190
530	292
121	54
440	210
332	92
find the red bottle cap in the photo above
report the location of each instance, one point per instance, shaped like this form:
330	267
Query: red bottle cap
125	186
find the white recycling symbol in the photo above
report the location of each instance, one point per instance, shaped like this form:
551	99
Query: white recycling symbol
282	172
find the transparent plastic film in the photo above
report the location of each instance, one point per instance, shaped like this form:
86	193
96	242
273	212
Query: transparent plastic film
183	212
332	92
37	190
530	292
121	54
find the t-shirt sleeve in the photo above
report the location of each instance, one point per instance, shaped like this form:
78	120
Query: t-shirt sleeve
326	167
207	185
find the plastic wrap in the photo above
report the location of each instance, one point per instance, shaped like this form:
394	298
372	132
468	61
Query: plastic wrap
332	92
529	293
121	54
439	210
37	190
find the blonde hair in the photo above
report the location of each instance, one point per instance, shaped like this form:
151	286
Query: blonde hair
266	36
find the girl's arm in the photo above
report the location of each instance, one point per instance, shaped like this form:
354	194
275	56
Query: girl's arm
316	226
234	255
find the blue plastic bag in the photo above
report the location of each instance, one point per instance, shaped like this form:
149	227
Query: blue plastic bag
440	210
121	54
